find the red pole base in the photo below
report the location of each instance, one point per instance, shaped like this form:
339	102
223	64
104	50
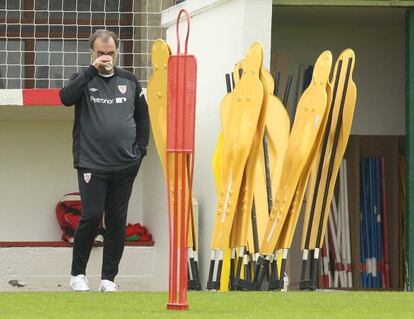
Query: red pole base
177	306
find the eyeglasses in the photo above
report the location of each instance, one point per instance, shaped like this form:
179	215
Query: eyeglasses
100	53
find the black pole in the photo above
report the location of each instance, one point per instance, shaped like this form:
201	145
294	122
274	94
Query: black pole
232	266
228	84
236	281
197	276
210	274
277	83
218	279
274	271
254	229
262	266
287	90
267	173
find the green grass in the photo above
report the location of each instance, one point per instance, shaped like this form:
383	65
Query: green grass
125	305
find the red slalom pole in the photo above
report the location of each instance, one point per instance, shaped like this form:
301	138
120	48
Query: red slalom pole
386	262
181	91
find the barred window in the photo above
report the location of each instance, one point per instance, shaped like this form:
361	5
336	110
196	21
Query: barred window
43	42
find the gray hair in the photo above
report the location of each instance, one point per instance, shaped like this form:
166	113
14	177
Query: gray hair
104	35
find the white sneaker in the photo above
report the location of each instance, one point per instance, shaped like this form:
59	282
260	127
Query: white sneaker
99	239
107	286
79	283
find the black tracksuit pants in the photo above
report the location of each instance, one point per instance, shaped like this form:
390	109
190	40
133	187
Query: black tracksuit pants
109	192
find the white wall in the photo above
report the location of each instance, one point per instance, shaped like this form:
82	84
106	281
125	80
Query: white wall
221	33
379	70
36	170
31	265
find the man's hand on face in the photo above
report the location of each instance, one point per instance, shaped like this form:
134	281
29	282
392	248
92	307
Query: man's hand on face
101	61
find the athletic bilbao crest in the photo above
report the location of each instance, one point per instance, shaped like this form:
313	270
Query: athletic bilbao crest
122	88
87	177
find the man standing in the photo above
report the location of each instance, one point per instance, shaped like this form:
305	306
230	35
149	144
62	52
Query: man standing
110	137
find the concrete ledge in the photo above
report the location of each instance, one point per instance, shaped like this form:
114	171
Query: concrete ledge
48	268
60	243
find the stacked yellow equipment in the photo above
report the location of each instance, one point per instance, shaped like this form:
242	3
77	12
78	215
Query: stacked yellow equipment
245	113
240	112
303	143
326	166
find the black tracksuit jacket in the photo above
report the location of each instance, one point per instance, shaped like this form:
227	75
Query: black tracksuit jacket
111	127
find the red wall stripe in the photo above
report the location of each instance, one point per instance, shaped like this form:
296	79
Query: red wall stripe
41	97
